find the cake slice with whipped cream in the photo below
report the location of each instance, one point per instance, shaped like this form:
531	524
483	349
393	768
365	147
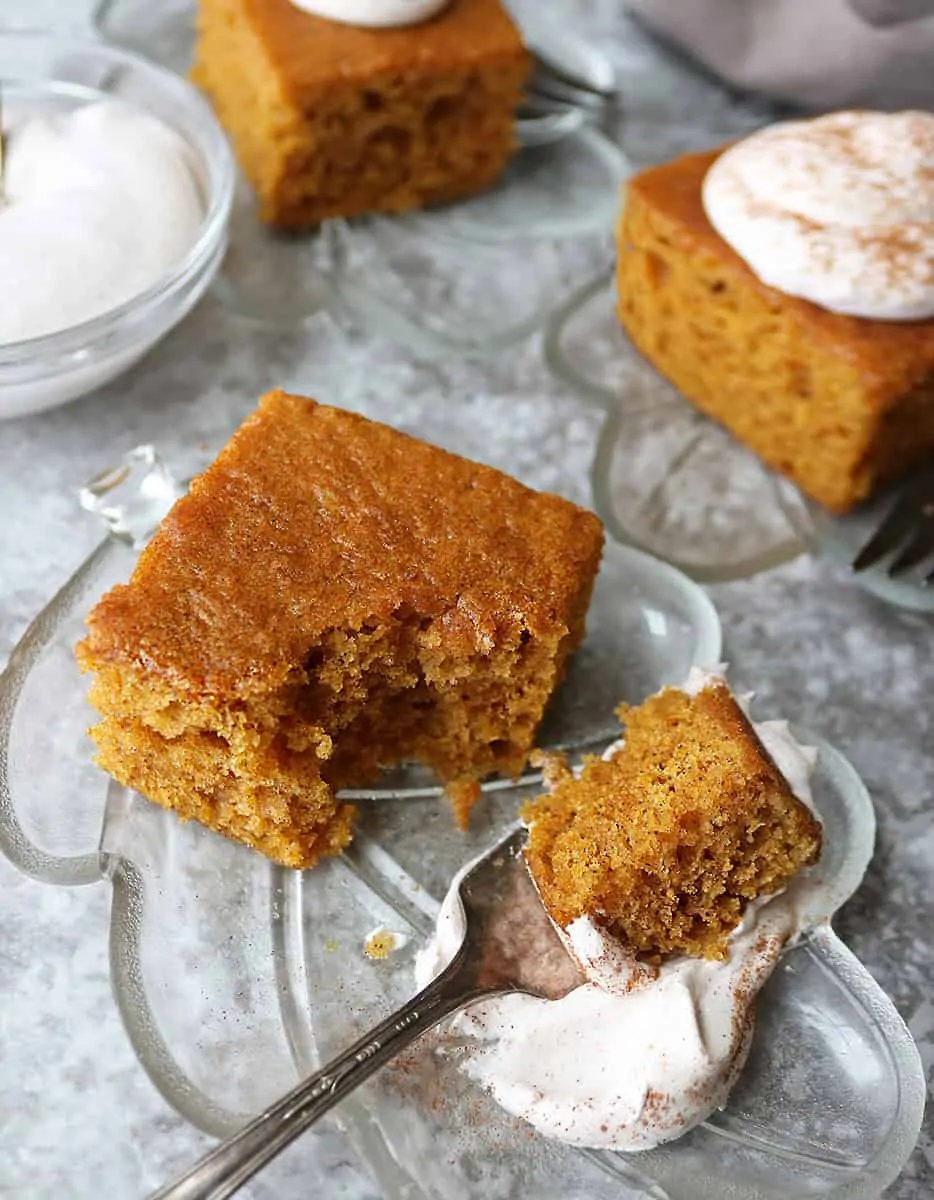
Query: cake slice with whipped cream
785	286
666	840
666	867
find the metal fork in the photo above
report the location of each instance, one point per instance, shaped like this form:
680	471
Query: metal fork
554	88
509	945
559	83
906	532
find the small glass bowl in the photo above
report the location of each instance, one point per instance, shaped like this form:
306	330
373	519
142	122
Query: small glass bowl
64	74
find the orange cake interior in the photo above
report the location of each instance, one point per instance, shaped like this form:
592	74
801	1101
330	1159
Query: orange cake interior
333	596
668	840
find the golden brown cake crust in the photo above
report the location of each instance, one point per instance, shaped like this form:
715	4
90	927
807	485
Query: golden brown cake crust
668	840
840	404
313	518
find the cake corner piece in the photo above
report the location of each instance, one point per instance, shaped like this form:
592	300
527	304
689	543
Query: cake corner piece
666	841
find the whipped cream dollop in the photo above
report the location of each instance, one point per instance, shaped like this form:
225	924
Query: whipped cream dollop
838	210
374	14
99	203
637	1054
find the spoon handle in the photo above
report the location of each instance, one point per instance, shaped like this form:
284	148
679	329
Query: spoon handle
225	1169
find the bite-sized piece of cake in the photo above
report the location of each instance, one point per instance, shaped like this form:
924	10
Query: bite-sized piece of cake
332	120
840	404
665	841
332	596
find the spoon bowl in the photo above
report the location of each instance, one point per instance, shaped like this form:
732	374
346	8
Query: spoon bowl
508	944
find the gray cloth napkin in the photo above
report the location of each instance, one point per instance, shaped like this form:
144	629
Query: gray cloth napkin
814	53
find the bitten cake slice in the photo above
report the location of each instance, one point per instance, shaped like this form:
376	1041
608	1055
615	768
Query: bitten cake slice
666	841
330	597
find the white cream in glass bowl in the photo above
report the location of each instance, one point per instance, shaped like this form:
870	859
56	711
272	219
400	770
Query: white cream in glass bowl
117	188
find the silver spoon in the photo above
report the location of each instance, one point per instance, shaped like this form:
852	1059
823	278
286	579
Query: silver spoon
510	946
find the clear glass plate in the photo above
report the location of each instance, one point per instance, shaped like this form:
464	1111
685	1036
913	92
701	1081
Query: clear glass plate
667	479
234	976
467	277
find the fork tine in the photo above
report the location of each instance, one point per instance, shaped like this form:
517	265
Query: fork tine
557	91
535	105
570	86
907	520
919	547
895	528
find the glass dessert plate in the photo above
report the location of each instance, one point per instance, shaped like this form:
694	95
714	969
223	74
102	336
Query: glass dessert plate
668	480
234	976
471	276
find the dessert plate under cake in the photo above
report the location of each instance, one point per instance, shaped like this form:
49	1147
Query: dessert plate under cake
234	975
262	963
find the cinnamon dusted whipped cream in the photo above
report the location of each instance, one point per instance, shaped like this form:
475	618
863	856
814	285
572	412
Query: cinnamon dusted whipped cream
838	210
637	1054
374	14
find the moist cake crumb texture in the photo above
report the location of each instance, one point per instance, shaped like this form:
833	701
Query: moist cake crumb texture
333	596
666	842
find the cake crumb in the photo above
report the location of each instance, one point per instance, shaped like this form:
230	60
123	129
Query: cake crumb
554	765
463	794
382	942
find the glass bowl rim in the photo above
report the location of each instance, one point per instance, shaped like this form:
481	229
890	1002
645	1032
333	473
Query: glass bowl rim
52	352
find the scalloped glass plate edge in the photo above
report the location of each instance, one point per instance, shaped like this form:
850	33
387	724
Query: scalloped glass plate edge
608	401
22	853
775	556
